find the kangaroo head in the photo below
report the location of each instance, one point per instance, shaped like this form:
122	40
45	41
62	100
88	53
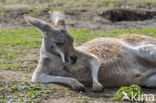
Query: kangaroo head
56	39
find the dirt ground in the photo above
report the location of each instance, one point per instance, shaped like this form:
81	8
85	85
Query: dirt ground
86	19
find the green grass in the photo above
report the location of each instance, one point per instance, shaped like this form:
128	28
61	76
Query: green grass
16	43
133	92
23	93
3	65
82	35
37	10
23	36
9	57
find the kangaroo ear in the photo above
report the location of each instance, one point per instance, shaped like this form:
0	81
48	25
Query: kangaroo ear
42	25
58	19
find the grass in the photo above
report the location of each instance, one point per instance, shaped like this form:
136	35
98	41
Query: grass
133	92
83	35
2	15
15	43
35	11
16	37
23	93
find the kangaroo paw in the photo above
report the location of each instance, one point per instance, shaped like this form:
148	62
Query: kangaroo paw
97	87
77	86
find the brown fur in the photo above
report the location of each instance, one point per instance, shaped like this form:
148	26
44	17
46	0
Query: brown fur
111	55
103	48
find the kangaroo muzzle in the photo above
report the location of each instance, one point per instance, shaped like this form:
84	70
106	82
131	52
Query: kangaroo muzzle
71	59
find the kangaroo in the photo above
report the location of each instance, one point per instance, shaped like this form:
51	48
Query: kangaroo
100	63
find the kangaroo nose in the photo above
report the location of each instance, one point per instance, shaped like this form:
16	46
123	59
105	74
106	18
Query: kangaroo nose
73	58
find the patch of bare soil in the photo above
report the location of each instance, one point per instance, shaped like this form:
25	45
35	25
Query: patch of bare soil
9	75
87	19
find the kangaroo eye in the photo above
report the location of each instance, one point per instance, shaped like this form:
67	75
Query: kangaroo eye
59	44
